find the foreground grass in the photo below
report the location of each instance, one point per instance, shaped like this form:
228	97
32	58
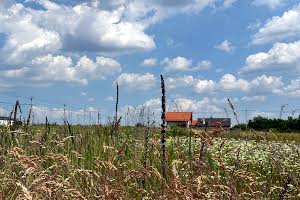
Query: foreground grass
93	162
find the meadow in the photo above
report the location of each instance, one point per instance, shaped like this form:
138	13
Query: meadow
111	161
106	162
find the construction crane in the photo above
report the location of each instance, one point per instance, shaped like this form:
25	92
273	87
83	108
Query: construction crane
233	110
178	108
281	110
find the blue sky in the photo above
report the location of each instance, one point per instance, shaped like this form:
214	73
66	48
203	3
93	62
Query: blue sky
66	52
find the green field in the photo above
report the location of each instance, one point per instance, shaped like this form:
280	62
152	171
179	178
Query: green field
101	162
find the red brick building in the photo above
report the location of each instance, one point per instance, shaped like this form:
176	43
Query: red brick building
181	119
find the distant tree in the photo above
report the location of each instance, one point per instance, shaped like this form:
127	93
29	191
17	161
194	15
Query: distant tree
264	124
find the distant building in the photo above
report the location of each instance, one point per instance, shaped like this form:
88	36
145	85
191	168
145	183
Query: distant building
181	119
185	119
5	121
213	122
194	124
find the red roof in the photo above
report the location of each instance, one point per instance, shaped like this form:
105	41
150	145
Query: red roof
194	123
179	116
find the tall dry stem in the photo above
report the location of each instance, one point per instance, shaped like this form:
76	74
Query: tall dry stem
163	127
146	149
285	188
117	103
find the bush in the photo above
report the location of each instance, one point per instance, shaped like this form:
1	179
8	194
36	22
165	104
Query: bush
241	127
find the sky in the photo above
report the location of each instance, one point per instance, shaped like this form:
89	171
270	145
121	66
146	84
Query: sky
72	53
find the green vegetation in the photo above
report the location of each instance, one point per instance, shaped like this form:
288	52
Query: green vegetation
276	125
108	162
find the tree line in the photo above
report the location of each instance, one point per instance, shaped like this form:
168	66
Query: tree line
260	123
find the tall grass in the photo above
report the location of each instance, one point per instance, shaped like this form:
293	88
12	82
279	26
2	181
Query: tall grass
145	162
84	162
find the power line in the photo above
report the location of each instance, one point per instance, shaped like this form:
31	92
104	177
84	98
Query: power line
84	109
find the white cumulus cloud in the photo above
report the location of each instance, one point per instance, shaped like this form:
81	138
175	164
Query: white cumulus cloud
149	62
254	98
227	83
181	64
225	46
292	90
204	86
177	82
50	68
136	81
177	64
203	65
192	105
98	26
269	3
279	28
230	82
228	3
61	31
285	56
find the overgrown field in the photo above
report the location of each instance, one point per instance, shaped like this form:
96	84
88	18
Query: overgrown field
97	162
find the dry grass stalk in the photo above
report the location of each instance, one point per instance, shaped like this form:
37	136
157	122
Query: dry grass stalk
146	149
117	103
285	188
25	193
163	127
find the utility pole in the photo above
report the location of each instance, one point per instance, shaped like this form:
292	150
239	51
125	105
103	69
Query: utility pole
30	112
281	110
294	111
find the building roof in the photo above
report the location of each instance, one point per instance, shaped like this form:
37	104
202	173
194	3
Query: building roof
194	123
179	116
4	118
226	122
